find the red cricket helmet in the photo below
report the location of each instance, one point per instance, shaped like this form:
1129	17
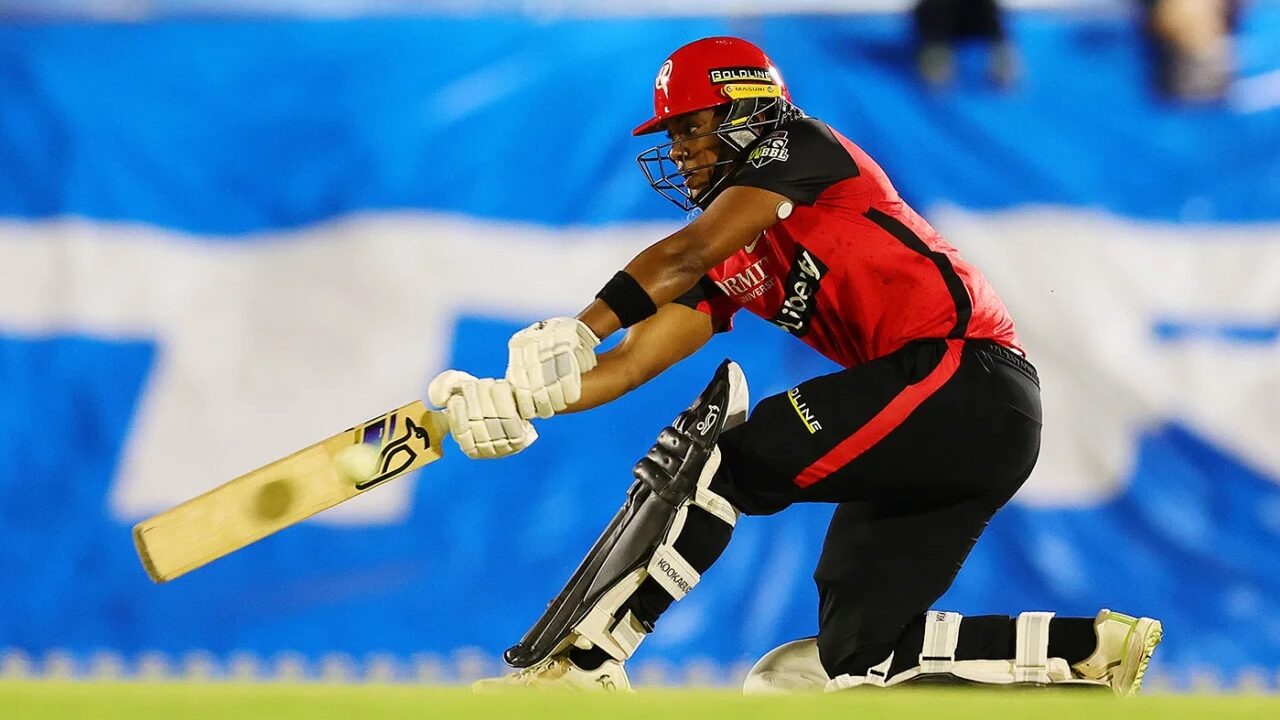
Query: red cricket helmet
710	72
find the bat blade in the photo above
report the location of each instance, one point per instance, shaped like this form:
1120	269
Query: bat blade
284	493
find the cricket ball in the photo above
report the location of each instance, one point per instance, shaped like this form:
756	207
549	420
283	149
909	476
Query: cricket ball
357	463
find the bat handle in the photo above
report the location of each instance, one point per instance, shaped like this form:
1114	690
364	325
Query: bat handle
439	420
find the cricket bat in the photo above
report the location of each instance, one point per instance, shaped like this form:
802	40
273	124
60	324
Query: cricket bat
288	491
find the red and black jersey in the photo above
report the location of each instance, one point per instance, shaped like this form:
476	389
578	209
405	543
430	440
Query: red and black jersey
853	271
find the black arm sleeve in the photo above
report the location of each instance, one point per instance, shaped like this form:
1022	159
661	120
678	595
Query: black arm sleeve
799	160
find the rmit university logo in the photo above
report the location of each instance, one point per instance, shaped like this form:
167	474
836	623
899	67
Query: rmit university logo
771	148
750	283
803	281
664	77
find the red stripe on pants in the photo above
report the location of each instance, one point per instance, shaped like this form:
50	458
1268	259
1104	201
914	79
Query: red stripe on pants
889	417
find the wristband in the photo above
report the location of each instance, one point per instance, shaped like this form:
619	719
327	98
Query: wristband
626	299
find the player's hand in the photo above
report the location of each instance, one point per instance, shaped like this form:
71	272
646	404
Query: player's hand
547	360
482	414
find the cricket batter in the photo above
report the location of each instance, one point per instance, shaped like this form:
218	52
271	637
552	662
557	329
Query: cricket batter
930	428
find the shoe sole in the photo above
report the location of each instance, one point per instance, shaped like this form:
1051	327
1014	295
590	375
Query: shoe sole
554	677
1146	635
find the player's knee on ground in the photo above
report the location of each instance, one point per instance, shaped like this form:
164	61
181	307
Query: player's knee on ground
994	650
936	662
789	668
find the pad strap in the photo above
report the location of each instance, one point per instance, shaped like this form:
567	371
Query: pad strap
666	566
878	675
640	542
709	500
599	628
672	572
941	634
1031	649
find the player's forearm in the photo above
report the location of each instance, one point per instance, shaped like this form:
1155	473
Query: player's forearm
673	333
664	270
671	266
610	380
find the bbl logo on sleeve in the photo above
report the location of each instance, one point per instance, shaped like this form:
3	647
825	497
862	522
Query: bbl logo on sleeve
771	148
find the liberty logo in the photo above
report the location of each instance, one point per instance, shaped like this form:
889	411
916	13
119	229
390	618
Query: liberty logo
802	285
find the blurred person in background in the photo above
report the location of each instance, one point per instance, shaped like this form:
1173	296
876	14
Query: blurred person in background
931	427
939	24
1193	46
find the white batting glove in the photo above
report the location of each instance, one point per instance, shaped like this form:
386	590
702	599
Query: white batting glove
547	360
482	414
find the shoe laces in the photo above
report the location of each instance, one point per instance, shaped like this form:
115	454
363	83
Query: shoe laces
525	675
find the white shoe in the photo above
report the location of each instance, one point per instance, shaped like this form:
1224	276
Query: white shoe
559	673
1125	646
791	667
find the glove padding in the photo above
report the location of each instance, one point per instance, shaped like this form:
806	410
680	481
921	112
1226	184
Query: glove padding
547	360
482	414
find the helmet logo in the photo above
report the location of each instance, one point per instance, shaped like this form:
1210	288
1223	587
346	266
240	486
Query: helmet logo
664	77
740	74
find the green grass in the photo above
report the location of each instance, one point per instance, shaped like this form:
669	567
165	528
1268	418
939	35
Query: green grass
22	700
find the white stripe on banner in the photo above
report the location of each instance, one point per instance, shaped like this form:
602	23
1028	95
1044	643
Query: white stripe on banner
1256	94
1087	291
269	344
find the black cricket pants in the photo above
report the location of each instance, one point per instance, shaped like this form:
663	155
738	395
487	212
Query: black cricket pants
919	449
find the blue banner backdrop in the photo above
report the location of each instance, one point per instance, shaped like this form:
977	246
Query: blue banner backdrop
166	149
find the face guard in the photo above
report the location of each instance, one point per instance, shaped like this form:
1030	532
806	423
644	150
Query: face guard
754	110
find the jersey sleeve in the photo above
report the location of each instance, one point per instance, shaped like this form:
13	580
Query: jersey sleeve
798	160
708	298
